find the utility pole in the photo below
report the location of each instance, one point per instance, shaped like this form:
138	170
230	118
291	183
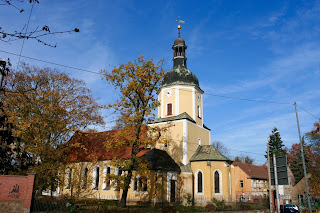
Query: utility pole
269	178
276	181
303	162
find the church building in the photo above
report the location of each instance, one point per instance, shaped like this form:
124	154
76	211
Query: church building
196	168
205	172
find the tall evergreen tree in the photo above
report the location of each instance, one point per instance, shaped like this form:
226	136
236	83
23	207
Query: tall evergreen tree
276	144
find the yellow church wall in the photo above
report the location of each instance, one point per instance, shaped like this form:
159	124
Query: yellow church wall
164	100
199	119
185	99
156	181
195	133
208	169
172	133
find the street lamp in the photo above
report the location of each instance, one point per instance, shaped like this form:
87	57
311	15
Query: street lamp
275	175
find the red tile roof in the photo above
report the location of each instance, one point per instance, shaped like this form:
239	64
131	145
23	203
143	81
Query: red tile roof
90	147
255	172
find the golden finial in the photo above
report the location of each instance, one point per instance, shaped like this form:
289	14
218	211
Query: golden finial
179	26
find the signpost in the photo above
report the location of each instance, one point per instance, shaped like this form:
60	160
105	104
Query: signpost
282	171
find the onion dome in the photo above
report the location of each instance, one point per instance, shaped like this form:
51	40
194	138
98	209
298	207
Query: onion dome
180	75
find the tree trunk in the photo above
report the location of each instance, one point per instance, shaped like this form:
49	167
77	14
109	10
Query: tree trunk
123	201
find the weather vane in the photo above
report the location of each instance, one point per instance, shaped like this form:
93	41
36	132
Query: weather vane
179	26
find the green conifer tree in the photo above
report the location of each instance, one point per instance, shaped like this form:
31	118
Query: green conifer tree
276	144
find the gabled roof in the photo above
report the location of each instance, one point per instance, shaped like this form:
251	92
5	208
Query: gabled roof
253	171
207	153
90	147
176	118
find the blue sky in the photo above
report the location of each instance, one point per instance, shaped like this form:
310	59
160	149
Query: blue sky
261	50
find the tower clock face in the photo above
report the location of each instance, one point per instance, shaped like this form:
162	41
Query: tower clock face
169	93
198	97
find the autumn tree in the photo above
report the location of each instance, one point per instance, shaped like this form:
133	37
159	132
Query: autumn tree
137	83
313	139
276	144
36	34
45	107
244	159
295	159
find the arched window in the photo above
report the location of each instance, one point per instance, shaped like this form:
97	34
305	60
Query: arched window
200	182
68	178
169	109
96	177
216	182
84	178
106	171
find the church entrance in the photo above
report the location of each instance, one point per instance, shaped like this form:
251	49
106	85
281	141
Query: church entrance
173	191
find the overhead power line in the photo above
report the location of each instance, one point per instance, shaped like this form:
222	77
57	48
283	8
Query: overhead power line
246	99
61	65
26	31
308	112
216	95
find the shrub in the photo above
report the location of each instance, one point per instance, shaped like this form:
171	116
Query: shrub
169	209
219	203
190	200
211	207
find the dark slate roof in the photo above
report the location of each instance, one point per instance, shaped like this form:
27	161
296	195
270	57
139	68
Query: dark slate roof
207	153
160	160
179	41
186	168
256	172
180	76
174	118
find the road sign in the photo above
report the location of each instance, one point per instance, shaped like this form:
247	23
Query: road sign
282	171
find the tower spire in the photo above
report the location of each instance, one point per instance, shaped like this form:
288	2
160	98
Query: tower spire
179	50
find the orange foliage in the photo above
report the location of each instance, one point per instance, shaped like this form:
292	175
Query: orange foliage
295	148
137	83
46	107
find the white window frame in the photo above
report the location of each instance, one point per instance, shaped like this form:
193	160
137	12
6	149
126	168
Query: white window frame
68	177
171	176
137	178
196	182
82	178
94	177
105	169
220	182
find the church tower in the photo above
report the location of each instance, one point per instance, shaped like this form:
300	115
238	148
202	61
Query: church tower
181	106
180	91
